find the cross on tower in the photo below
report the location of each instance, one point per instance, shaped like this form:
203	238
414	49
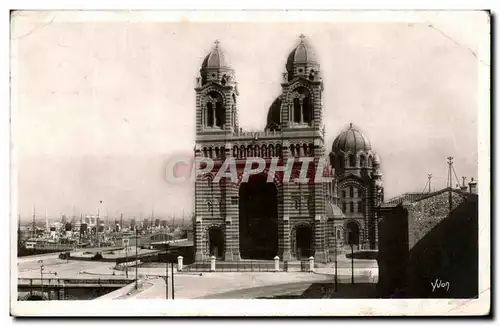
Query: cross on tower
302	37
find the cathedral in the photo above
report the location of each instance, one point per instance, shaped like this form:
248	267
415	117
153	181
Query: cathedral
255	219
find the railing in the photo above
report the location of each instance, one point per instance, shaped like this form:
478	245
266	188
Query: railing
305	266
236	266
64	282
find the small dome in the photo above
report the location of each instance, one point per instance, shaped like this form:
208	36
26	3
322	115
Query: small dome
216	59
303	53
333	211
274	114
351	140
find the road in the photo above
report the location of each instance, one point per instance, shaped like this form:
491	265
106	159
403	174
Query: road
191	286
197	285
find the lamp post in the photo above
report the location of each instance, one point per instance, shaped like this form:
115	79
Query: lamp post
173	295
41	275
352	263
336	243
136	258
126	259
166	271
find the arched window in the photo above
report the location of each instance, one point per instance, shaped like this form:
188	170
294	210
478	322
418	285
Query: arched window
311	75
292	150
352	160
302	106
343	207
338	234
271	150
264	151
235	151
351	207
360	207
343	193
243	152
257	151
209	120
249	151
215	113
278	150
220	113
340	162
351	192
362	161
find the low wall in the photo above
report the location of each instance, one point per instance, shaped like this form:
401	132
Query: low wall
121	292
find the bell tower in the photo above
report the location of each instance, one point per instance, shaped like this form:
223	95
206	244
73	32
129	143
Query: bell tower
216	95
302	87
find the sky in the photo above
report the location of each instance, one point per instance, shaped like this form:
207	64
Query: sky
98	106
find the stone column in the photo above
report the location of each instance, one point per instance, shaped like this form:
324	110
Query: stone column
212	264
179	263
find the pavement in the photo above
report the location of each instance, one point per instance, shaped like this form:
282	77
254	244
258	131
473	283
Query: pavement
58	268
195	286
203	284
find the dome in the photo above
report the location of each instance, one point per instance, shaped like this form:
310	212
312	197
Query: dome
274	114
351	140
333	211
216	59
303	53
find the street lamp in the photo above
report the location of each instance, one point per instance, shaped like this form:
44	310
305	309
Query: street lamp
136	258
352	263
336	243
41	275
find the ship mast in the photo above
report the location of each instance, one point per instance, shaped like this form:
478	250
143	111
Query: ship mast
152	217
47	228
33	223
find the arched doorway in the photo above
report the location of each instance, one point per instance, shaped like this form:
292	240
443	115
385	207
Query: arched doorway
303	241
216	242
352	233
258	212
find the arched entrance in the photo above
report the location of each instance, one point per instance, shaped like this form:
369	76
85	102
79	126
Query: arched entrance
258	213
216	242
352	233
303	241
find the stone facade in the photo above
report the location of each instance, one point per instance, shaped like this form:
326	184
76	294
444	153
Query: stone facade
295	130
427	238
